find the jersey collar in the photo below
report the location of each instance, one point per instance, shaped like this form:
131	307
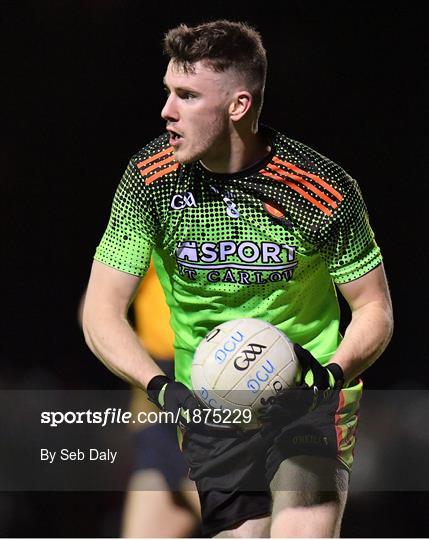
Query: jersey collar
270	134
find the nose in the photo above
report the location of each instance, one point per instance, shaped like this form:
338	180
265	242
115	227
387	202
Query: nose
169	111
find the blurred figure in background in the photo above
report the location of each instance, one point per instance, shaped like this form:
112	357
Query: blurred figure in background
161	501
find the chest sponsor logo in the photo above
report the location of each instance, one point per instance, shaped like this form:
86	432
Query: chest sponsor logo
180	201
244	262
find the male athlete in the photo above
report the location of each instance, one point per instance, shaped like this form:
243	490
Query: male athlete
244	222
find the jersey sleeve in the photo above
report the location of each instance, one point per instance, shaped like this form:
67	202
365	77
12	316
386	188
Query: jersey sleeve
130	235
351	250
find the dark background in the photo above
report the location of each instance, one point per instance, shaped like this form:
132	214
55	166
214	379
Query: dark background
82	91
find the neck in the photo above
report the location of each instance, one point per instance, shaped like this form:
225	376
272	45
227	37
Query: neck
239	152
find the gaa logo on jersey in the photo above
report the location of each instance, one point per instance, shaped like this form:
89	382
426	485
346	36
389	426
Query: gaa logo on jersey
180	201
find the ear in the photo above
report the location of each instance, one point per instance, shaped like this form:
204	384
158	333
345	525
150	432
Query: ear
241	103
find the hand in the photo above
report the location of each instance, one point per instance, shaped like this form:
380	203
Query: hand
302	419
317	385
173	397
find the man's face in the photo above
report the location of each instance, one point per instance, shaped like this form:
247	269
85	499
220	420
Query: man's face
196	112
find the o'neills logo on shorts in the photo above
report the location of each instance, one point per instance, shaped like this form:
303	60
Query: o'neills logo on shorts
245	262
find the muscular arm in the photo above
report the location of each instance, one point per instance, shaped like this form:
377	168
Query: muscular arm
107	331
371	326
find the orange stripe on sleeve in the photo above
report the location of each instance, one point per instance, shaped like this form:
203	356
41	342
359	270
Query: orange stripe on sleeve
310	175
338	429
306	183
300	191
163	172
143	172
155	156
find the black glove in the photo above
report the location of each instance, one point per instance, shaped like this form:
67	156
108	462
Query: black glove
317	385
302	419
172	397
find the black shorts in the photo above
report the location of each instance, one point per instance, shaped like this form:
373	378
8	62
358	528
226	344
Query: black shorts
230	478
233	473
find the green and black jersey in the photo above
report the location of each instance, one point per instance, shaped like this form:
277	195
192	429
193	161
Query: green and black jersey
268	242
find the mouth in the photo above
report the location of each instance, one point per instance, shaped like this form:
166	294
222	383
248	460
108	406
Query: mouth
175	137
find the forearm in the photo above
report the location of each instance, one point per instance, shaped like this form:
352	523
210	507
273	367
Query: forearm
366	337
115	343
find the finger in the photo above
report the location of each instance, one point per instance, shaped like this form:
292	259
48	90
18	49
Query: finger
305	358
191	403
320	376
308	362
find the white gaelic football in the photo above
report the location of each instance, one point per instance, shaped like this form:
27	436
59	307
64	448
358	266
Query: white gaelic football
241	363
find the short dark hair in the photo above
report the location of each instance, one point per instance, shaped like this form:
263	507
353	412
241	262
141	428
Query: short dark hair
222	44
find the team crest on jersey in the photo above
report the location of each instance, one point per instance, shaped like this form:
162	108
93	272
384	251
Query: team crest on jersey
275	211
180	201
243	262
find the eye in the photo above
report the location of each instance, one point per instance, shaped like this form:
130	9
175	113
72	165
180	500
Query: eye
187	95
166	90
